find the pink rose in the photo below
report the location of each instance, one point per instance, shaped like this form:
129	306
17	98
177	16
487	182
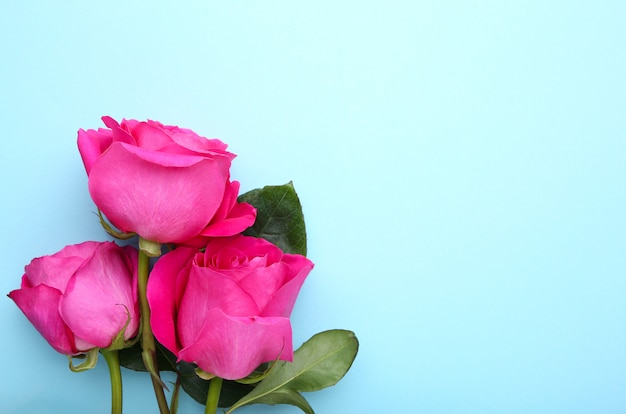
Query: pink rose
165	183
226	309
81	297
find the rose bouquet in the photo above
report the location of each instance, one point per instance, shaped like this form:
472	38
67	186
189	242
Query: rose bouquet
204	286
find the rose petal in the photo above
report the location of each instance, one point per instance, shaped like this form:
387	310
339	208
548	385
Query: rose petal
167	205
55	270
120	132
263	282
228	201
175	158
232	347
98	318
91	144
188	139
150	137
283	301
82	250
52	271
239	218
250	246
163	297
40	305
206	289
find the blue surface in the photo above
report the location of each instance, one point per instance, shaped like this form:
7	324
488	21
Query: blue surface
461	166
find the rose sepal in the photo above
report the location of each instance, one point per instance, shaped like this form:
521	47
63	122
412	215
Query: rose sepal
207	376
258	375
119	342
91	358
112	231
149	248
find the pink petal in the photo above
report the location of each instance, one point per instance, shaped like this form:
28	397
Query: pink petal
239	218
228	201
132	262
163	297
110	122
206	289
284	299
83	345
52	271
263	282
229	258
120	132
40	305
91	144
82	250
248	245
150	136
175	158
160	203
99	297
188	139
232	347
55	270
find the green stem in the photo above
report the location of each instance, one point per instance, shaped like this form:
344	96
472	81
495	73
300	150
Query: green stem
174	399
147	338
113	362
213	396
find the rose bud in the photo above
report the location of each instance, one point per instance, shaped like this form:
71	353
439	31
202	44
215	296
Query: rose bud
226	309
82	297
165	183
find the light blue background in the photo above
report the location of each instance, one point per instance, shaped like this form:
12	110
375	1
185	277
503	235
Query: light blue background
461	166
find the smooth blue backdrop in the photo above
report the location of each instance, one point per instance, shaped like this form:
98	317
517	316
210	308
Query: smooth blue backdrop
461	166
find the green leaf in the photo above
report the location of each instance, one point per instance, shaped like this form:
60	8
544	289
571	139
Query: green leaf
285	396
197	388
279	217
319	363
